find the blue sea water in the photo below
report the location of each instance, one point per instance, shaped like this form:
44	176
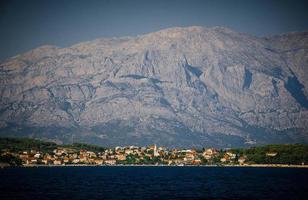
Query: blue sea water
153	183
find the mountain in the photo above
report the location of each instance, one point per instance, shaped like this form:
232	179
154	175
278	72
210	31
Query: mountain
190	87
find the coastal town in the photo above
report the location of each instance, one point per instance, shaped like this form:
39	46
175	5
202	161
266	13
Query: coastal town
131	155
30	152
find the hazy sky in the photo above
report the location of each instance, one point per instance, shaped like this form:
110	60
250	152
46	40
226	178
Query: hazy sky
26	24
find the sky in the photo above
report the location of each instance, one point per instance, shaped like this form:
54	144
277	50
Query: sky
27	24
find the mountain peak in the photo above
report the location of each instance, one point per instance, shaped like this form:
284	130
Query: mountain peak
183	86
184	31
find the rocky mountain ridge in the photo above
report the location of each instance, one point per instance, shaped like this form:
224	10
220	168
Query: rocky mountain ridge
190	86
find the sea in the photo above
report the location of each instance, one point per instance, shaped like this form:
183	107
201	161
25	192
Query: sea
156	182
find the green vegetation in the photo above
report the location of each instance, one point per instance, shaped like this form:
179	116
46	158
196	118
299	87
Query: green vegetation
11	160
89	147
286	154
26	144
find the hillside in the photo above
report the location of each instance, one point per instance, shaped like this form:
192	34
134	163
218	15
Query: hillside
189	87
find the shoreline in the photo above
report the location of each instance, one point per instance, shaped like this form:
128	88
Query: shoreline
221	166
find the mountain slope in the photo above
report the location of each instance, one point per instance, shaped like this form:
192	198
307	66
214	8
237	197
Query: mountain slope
189	86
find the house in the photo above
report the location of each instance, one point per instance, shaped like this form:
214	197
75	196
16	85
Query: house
208	157
110	162
98	161
151	147
48	157
179	162
128	151
57	162
37	155
162	149
225	158
91	154
45	162
117	148
184	151
197	162
23	156
209	153
31	160
83	159
169	162
271	154
143	149
241	160
59	151
189	157
231	155
121	157
74	155
76	160
66	160
91	161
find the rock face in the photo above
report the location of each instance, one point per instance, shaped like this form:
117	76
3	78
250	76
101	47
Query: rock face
187	87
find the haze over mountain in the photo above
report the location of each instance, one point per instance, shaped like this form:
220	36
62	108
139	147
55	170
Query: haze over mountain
191	87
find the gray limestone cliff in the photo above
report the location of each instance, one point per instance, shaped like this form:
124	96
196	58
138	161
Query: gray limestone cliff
191	86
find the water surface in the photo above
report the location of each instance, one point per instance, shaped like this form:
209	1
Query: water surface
153	183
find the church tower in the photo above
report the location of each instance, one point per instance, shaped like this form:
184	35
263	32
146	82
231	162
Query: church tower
155	151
